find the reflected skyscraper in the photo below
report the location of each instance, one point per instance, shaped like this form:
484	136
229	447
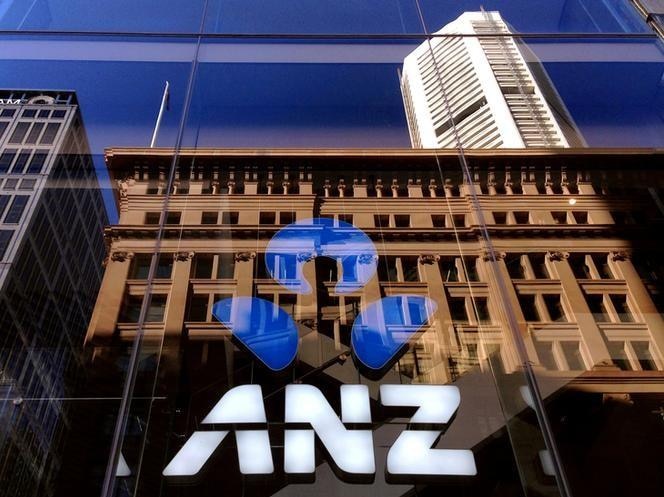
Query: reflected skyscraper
51	248
473	85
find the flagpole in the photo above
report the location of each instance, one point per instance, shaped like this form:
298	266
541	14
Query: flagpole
157	125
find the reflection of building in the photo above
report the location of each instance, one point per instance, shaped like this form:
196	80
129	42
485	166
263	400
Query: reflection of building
567	267
51	217
484	91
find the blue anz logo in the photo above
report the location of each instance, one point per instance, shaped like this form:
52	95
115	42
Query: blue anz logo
380	333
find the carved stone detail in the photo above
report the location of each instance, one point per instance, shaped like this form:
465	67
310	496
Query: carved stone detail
305	256
244	256
121	256
621	255
428	259
489	256
557	255
183	256
367	258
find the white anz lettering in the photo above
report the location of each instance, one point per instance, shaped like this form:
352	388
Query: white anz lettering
350	449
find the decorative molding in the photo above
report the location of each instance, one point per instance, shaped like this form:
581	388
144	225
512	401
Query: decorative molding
305	256
121	256
489	256
620	255
557	255
428	259
244	256
367	258
183	256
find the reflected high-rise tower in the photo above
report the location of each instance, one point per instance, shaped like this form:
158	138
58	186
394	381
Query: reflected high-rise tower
466	87
51	248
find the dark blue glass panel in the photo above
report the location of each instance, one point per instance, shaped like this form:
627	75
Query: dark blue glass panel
320	17
168	16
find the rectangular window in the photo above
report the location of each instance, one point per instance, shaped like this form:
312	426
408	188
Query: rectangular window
572	353
410	269
482	309
229	217
521	217
164	266
448	269
438	220
5	238
19	132
226	267
580	217
601	262
198	306
27	184
644	356
286	217
6	159
545	355
16	209
49	133
37	162
618	355
3	127
173	217
559	217
458	310
7	112
555	309
58	114
152	218
622	308
131	309
203	266
459	220
597	307
538	263
288	302
29	113
381	221
528	307
44	113
157	309
579	266
500	217
267	218
4	201
35	131
470	265
209	217
402	221
387	268
514	263
140	266
346	218
20	162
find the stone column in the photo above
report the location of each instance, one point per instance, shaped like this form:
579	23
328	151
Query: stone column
442	318
177	301
495	272
640	295
105	315
590	332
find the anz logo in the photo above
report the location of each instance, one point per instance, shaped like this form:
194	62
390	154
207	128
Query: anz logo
379	336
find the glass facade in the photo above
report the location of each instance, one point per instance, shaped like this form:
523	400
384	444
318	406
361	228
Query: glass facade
392	248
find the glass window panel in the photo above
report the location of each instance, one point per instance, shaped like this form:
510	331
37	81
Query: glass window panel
644	356
16	208
619	356
156	309
5	238
49	133
198	307
226	266
203	266
528	307
545	355
19	132
555	308
573	356
209	217
34	133
622	308
20	162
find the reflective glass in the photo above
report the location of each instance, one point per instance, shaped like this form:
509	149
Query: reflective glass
139	16
304	17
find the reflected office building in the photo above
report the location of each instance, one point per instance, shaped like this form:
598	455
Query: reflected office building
51	247
566	290
473	85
